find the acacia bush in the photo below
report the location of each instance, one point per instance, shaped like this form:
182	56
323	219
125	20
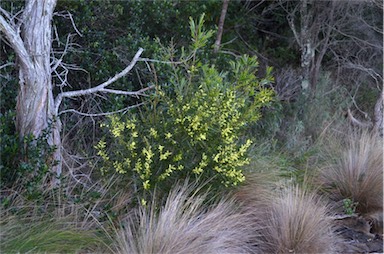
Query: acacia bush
192	126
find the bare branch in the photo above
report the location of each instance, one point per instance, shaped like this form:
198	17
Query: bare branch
356	122
371	72
69	15
6	65
165	62
100	114
16	42
62	55
6	14
137	93
102	86
291	23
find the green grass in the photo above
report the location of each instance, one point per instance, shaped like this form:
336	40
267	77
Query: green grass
45	235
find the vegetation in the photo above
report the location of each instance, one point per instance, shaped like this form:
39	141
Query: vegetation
355	171
186	225
139	133
295	221
193	127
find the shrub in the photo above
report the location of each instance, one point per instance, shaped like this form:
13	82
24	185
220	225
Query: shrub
25	163
193	126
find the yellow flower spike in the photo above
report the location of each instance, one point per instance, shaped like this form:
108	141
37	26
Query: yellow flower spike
178	157
130	125
197	170
146	185
101	144
153	132
132	146
171	167
165	155
135	134
138	166
117	129
147	153
218	169
168	135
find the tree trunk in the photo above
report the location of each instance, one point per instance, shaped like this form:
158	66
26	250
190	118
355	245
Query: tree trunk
307	47
35	101
221	26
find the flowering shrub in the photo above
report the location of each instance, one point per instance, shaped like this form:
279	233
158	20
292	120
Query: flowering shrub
191	128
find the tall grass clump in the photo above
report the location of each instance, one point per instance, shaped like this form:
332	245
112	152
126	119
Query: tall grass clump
287	219
45	235
355	171
68	219
296	221
186	224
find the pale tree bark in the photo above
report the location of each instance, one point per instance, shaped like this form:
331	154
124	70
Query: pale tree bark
221	26
31	39
305	40
33	47
37	106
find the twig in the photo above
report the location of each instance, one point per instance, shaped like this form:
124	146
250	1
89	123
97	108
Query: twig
69	15
354	121
6	65
136	94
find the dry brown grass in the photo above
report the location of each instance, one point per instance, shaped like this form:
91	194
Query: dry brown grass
355	171
185	224
287	219
295	221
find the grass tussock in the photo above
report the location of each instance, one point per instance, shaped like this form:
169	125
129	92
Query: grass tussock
288	219
43	235
185	224
355	171
296	221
